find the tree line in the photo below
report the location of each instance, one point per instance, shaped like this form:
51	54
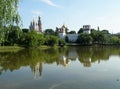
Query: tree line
11	34
98	37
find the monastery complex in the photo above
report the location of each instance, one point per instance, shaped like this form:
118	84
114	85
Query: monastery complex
37	26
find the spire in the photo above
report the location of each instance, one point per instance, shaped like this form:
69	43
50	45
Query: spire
36	25
39	24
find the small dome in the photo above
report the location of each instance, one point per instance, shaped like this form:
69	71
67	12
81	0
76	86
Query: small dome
63	26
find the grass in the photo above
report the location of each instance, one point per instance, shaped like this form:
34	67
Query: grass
47	47
17	48
10	48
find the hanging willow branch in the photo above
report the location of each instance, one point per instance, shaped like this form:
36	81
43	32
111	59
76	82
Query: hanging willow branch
8	13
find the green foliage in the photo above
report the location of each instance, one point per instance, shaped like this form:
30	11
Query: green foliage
100	37
72	32
2	36
13	36
8	13
62	42
66	39
80	31
25	30
49	32
32	39
9	17
84	39
115	40
51	40
31	57
105	31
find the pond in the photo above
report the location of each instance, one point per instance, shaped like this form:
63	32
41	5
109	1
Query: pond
63	68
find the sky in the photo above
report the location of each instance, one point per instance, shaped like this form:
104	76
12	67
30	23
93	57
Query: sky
73	13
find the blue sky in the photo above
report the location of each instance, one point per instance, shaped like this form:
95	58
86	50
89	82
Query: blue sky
73	13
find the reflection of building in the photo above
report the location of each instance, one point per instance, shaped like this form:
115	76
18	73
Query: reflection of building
72	54
63	60
37	70
87	62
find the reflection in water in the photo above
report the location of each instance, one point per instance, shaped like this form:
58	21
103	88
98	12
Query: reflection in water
63	61
37	69
37	58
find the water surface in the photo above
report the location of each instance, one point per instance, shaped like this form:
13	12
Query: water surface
64	68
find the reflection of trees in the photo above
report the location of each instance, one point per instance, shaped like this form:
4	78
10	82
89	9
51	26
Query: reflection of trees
13	61
35	58
84	55
88	55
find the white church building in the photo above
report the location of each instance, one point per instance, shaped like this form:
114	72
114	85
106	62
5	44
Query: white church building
72	37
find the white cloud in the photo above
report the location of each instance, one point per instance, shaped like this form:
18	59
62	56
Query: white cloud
36	13
49	2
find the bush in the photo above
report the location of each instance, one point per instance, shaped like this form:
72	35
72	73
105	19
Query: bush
62	42
31	39
51	40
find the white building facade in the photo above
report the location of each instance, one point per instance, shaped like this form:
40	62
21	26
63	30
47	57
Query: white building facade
72	37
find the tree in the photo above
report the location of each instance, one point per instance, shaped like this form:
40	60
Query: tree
94	34
115	40
31	39
25	30
66	39
1	37
13	36
84	39
100	37
8	17
8	12
57	31
49	32
62	42
80	31
51	40
72	32
105	31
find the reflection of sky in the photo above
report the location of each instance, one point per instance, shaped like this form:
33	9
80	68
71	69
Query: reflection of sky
101	76
72	54
66	72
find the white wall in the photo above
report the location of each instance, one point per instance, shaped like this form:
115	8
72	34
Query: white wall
72	37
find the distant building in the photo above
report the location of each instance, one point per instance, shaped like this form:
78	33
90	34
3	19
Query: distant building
72	37
37	26
86	29
62	32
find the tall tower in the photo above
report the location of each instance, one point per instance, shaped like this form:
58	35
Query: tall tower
31	26
39	24
62	32
34	25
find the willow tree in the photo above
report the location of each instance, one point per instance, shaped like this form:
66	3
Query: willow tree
9	16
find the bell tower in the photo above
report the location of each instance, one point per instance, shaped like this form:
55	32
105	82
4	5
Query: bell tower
39	24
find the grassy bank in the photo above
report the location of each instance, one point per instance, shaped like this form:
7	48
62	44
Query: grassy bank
17	48
10	48
48	47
